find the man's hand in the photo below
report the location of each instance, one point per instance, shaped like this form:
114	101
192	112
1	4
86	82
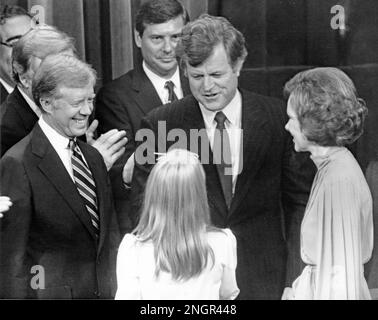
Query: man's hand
111	144
287	294
5	204
128	169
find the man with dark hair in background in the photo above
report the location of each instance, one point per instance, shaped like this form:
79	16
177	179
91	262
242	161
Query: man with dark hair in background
122	103
14	22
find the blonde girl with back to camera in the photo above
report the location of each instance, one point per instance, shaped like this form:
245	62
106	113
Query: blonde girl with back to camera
174	252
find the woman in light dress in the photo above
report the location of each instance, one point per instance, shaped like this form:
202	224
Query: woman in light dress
337	229
174	252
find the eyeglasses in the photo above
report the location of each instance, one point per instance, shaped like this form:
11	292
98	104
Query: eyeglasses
11	43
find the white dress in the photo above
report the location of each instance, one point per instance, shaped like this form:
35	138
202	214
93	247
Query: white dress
336	231
136	272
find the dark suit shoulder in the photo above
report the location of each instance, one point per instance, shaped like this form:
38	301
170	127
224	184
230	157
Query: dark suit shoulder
121	83
275	108
174	110
18	150
269	102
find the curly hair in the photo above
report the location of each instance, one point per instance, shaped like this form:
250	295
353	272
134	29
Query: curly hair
326	103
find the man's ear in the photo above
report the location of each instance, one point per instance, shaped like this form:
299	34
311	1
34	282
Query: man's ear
46	104
138	39
238	66
25	80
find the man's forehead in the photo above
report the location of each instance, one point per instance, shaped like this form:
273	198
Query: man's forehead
15	27
217	59
171	26
85	90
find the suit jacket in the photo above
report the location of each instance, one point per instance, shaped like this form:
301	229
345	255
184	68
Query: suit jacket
3	93
270	195
17	119
48	226
122	104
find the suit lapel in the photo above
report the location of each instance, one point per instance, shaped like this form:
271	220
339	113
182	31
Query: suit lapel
54	171
184	84
146	95
255	144
3	93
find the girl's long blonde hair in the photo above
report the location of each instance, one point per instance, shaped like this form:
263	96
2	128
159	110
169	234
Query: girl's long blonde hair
175	215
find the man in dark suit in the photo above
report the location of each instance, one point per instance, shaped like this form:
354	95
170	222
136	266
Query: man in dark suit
19	112
258	187
122	103
60	237
14	22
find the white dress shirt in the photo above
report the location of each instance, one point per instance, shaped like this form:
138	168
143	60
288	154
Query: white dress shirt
233	124
30	102
60	144
159	83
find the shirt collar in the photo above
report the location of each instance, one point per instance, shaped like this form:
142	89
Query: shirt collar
7	87
159	81
56	139
30	102
232	111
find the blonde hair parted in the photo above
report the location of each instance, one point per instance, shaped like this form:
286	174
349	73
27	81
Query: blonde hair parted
175	215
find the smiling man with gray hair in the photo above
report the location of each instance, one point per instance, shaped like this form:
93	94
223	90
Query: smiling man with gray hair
62	222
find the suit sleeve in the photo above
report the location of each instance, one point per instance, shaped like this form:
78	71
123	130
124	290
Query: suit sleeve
111	113
15	263
10	134
297	175
145	159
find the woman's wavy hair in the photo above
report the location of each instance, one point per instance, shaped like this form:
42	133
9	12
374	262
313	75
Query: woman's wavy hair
175	215
326	103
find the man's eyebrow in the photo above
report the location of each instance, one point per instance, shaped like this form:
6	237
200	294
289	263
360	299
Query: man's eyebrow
14	38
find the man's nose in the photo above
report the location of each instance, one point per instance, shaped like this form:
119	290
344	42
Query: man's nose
208	83
168	46
87	108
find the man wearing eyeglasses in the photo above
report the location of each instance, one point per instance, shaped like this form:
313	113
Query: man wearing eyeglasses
14	22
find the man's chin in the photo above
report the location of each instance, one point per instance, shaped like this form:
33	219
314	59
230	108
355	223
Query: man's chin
77	132
168	67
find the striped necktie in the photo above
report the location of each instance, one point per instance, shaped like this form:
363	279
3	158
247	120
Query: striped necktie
85	184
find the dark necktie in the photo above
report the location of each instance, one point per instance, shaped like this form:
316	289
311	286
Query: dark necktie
85	185
222	156
169	85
